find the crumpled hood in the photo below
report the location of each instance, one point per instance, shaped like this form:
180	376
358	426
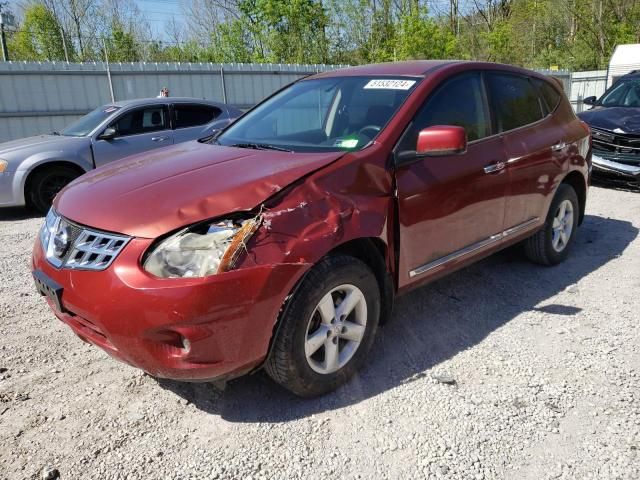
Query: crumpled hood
150	194
627	119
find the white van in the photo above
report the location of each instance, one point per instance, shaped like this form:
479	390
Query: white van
625	59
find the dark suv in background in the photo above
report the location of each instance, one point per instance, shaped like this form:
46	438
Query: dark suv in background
615	125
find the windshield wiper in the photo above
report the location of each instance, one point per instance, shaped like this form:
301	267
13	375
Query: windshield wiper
261	146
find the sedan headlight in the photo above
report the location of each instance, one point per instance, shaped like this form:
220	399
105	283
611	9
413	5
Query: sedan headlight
3	165
201	250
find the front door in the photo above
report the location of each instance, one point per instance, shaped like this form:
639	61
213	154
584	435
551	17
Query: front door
138	131
451	206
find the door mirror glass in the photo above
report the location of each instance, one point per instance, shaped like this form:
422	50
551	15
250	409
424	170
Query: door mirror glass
589	100
441	140
108	134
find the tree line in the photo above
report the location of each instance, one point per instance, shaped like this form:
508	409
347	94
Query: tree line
568	34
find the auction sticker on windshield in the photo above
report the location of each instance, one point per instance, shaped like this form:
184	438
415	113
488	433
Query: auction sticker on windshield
391	84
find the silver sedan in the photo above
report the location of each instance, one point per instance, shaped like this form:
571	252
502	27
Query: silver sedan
33	170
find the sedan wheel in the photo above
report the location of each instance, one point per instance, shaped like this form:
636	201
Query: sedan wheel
45	185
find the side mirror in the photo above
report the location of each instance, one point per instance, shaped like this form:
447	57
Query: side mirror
108	134
214	132
589	100
441	140
436	141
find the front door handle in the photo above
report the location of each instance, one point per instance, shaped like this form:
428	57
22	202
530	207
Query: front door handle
558	147
495	167
158	139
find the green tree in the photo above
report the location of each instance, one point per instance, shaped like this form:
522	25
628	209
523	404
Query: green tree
39	37
421	37
286	30
122	45
232	42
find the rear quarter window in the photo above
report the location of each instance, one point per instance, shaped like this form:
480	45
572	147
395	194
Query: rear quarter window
515	101
194	115
550	95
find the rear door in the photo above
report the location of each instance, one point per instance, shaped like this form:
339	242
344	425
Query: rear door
138	130
189	120
452	206
534	143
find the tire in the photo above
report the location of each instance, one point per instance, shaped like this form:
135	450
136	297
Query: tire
548	246
305	323
45	185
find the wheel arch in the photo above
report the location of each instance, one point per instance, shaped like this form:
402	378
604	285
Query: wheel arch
45	166
576	180
372	251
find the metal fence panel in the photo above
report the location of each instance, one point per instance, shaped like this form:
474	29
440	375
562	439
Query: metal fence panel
586	84
38	97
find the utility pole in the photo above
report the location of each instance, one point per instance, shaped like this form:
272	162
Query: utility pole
106	62
3	40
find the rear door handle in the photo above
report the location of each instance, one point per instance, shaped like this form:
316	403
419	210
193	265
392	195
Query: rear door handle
495	167
158	139
558	146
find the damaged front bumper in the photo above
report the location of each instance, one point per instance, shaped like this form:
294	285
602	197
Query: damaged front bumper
186	329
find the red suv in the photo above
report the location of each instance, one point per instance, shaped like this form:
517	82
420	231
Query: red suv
282	242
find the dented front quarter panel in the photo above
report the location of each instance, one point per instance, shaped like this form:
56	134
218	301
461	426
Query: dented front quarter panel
347	200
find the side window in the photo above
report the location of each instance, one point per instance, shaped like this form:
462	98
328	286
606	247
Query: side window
142	120
458	102
549	94
193	115
515	101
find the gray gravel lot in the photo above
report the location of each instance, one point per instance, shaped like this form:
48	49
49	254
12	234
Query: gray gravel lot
503	370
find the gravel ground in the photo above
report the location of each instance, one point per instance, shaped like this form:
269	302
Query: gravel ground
503	370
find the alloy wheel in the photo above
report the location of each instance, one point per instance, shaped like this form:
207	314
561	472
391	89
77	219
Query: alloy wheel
335	329
562	226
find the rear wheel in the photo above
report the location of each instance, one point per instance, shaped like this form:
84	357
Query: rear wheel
46	184
328	327
551	244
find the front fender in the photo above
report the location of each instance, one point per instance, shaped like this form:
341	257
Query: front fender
79	156
346	201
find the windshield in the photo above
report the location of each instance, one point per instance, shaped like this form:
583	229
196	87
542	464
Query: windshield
327	114
87	124
625	93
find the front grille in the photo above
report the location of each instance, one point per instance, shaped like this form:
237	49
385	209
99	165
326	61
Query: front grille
616	147
86	248
94	250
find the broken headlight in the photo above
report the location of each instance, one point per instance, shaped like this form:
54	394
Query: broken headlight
201	250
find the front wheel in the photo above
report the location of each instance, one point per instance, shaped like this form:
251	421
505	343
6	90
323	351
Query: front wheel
46	184
551	244
328	327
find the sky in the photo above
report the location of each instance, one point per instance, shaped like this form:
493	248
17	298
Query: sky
158	12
